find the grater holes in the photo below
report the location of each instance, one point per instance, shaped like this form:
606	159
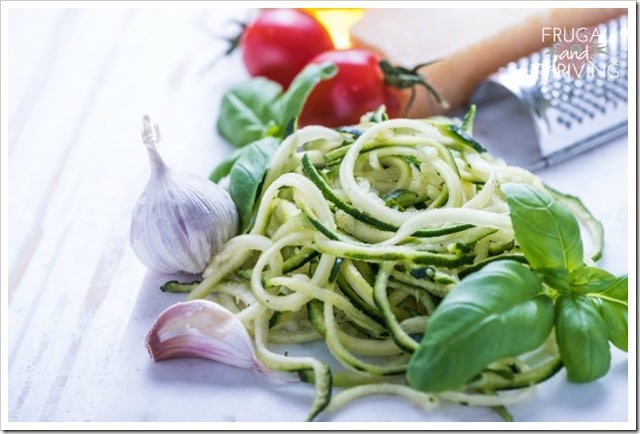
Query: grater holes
599	97
580	101
563	100
597	104
570	114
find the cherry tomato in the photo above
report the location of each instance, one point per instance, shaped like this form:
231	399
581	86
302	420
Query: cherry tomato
280	43
358	87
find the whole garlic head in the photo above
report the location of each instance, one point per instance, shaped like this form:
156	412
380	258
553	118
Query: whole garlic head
181	220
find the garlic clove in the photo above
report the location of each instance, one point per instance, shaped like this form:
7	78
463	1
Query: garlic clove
205	329
181	220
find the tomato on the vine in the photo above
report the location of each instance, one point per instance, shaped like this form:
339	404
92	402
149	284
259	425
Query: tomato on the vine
357	88
363	83
281	42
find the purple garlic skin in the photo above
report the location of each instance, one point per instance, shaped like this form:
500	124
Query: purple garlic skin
205	329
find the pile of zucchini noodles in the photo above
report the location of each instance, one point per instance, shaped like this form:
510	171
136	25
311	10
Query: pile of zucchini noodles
358	233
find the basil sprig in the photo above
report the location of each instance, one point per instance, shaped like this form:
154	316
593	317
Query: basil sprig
475	323
258	107
255	116
507	308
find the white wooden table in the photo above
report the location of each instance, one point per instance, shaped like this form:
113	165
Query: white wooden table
79	81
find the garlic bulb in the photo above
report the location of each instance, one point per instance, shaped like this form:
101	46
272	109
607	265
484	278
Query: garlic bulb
201	328
181	220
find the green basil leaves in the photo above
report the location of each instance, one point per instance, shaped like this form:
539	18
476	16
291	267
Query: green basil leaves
612	302
494	313
548	234
255	117
259	108
582	338
246	176
507	308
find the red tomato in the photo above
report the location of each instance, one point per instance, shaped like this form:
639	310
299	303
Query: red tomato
357	88
280	43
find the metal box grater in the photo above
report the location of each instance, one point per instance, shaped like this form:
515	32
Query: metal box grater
550	115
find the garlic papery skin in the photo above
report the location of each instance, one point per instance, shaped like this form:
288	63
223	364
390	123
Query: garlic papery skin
181	220
205	329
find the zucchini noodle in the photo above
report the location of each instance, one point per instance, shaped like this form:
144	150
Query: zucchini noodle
357	236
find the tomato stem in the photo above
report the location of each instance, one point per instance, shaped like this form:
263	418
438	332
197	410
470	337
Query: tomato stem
402	78
233	43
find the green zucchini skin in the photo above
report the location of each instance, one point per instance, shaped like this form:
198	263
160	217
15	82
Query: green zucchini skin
365	276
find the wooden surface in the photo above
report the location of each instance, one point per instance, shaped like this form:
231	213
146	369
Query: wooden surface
79	82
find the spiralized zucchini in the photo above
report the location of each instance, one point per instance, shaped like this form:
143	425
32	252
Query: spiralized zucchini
358	234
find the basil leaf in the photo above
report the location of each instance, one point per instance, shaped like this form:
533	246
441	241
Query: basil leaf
619	288
223	169
246	176
547	233
613	304
256	114
246	113
494	313
290	105
582	337
615	315
259	108
587	279
557	278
